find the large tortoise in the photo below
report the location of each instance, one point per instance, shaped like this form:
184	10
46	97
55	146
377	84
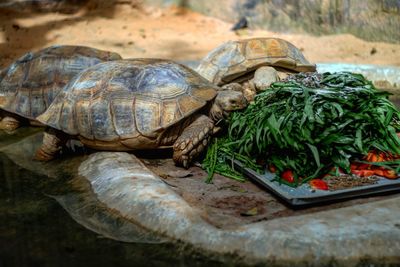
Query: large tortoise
237	62
29	85
138	104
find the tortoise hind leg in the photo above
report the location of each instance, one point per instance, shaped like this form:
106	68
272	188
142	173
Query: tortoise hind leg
53	142
193	140
8	121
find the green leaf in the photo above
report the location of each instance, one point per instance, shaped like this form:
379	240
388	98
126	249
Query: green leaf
315	153
358	140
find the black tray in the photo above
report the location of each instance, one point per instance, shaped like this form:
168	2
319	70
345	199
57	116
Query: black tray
304	195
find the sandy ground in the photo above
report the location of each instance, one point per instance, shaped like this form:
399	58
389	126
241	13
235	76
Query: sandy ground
170	33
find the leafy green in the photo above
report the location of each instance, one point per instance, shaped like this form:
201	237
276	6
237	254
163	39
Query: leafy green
294	125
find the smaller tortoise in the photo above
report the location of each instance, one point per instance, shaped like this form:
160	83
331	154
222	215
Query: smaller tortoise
235	63
138	104
29	85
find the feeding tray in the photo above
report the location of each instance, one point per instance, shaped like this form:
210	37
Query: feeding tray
304	195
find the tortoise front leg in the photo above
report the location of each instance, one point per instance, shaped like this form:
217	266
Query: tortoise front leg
8	121
53	142
193	140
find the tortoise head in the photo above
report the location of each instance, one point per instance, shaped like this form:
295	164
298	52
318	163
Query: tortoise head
226	102
114	56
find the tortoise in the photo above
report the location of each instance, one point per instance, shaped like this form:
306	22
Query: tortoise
29	85
234	63
138	104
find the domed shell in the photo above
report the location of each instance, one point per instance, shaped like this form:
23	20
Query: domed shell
29	85
234	59
129	102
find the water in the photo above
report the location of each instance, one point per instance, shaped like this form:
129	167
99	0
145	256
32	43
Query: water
36	231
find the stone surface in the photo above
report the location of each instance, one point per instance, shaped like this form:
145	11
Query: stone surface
150	209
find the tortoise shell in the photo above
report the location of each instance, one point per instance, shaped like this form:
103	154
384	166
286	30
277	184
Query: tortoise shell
128	104
234	59
29	85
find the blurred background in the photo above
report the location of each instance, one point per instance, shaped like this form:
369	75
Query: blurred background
362	32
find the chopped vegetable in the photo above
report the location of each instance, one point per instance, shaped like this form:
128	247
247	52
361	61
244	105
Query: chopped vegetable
288	176
378	164
318	184
390	174
272	168
363	173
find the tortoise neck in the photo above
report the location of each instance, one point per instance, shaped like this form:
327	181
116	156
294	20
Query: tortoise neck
216	113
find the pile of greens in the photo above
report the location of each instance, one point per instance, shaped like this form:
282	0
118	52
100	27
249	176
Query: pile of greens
308	127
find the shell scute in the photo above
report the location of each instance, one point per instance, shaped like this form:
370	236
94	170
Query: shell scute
171	113
37	101
161	82
22	102
65	119
123	117
265	48
83	119
147	116
188	104
101	120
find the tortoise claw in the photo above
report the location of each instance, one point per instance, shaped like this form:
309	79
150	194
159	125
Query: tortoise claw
185	164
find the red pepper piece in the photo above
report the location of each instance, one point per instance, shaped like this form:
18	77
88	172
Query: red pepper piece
363	173
390	174
364	166
360	166
272	168
288	176
379	172
318	184
354	166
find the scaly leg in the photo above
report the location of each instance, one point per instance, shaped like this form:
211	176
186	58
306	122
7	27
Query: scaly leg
53	142
8	121
193	140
